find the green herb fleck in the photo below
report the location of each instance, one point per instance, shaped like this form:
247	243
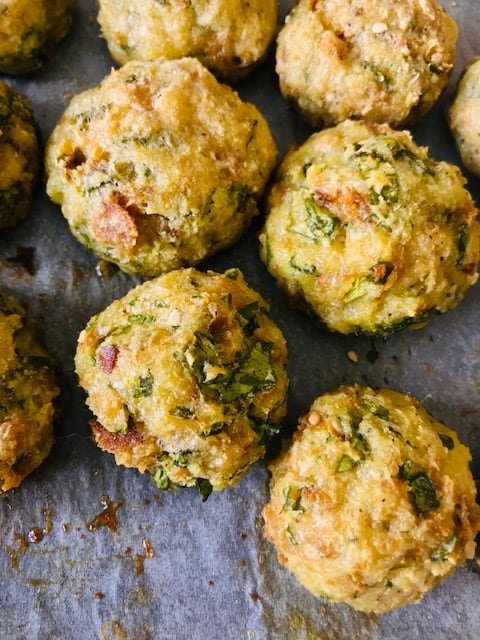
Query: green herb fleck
359	289
144	386
248	315
205	488
161	480
445	549
182	412
379	76
422	493
291	536
140	318
181	459
320	220
264	430
375	409
346	463
293	498
390	192
307	268
254	375
360	443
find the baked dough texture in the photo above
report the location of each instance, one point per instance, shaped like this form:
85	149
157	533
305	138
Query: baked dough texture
230	37
378	60
18	157
367	232
374	503
27	391
186	376
29	32
464	116
159	166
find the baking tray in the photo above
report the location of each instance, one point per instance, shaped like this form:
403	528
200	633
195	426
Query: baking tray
174	567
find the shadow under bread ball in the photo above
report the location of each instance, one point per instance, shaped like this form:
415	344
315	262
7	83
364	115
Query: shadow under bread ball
367	232
464	116
186	376
230	37
159	166
378	60
374	502
27	391
18	157
29	32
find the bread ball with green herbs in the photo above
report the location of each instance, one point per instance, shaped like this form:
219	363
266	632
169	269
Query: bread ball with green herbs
464	116
18	157
230	37
159	166
186	376
374	503
367	232
29	32
378	60
27	392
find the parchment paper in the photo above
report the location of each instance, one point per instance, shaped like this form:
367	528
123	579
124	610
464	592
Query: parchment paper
212	576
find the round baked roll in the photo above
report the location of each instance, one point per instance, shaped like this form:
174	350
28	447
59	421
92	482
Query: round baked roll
378	60
464	116
374	503
230	37
159	166
27	391
186	376
30	31
367	232
18	157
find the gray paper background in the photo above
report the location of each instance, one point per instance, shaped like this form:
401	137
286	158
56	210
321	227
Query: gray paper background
212	576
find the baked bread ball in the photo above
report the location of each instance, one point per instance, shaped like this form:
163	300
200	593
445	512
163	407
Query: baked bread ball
27	391
367	232
374	503
29	32
464	116
187	378
229	37
160	166
18	157
378	60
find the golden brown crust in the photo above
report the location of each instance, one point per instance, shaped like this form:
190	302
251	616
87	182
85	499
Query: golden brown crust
160	166
27	391
373	504
377	60
367	232
230	37
186	376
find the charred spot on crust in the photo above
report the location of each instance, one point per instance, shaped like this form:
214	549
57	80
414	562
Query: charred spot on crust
113	442
75	159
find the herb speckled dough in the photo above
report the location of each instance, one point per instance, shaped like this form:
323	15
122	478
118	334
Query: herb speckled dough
160	166
374	503
27	391
378	60
229	37
18	157
369	233
464	116
187	378
30	31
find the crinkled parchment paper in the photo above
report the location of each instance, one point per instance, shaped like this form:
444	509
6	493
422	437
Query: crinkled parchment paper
177	568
